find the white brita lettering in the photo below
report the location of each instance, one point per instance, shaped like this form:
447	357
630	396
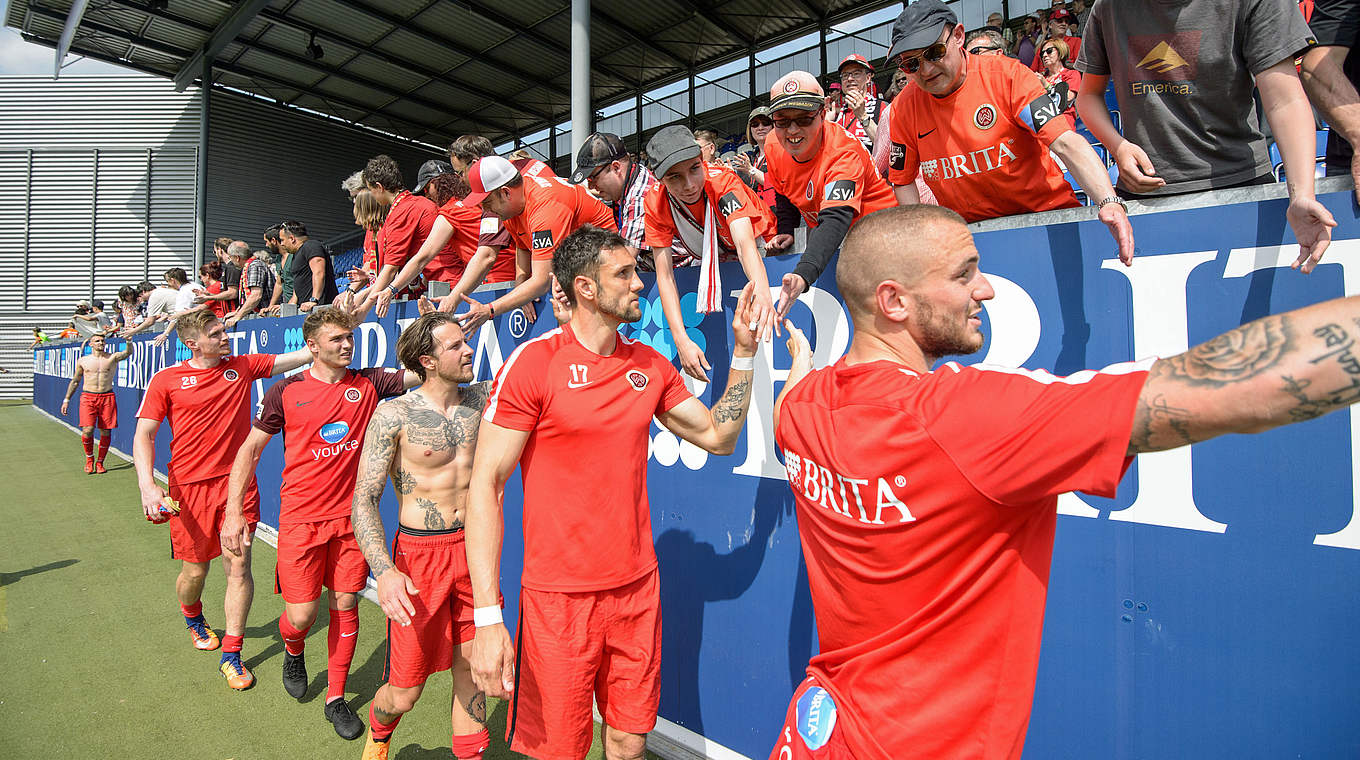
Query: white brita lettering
886	498
819	487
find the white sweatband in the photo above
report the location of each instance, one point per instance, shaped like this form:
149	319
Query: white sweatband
484	616
746	363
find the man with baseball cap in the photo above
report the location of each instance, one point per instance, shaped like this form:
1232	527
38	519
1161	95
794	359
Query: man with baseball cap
860	104
706	213
605	167
539	212
1060	22
978	129
820	171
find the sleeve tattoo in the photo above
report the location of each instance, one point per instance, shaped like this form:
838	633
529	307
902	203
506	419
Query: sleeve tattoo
734	402
380	445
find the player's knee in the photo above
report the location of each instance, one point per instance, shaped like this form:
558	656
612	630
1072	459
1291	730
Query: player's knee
105	432
87	431
619	745
300	616
194	571
344	600
237	567
402	700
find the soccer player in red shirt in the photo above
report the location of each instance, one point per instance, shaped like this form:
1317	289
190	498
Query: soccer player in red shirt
409	220
322	412
819	170
979	128
98	407
573	408
927	500
539	212
425	441
712	216
207	402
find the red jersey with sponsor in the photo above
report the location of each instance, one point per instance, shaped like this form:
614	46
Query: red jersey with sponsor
553	209
370	252
532	167
926	508
982	149
323	427
841	174
724	191
470	232
408	223
587	526
208	411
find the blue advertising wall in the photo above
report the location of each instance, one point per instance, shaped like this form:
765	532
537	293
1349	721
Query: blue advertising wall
1208	611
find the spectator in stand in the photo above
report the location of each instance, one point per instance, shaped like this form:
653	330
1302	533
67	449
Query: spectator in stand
439	256
129	301
409	220
979	129
313	271
751	166
211	275
1185	98
267	258
996	23
436	181
369	215
539	212
1058	22
985	41
1027	45
605	167
807	152
283	265
1330	74
90	317
354	184
708	144
258	285
469	148
162	301
834	101
860	106
39	338
706	214
231	274
1062	83
1080	12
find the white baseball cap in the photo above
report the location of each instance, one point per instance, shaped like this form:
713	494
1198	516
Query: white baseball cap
487	174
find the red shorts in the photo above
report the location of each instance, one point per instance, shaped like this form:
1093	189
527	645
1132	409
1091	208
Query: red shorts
437	565
98	410
315	553
811	731
577	645
196	532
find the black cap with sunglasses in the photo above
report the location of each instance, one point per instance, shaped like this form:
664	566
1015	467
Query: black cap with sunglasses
919	27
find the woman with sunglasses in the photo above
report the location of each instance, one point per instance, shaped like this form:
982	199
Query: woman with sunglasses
751	166
1061	82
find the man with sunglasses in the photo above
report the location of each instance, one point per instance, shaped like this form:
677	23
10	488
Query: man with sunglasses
984	41
817	170
978	129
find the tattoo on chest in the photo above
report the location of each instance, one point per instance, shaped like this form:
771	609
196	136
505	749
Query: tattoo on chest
427	426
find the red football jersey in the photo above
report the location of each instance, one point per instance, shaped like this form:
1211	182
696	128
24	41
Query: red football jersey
587	526
553	209
926	508
323	428
408	223
726	192
208	411
841	174
473	228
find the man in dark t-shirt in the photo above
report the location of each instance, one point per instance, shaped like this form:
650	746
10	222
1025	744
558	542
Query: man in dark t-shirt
313	272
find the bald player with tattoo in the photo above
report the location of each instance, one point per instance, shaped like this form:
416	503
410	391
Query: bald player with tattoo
98	407
424	440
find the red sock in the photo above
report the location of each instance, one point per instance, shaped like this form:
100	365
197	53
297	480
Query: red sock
381	731
341	637
294	640
88	442
471	746
231	643
103	447
192	610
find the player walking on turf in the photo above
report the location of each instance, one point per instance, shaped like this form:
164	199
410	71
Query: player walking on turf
322	412
927	500
574	409
206	399
98	407
424	440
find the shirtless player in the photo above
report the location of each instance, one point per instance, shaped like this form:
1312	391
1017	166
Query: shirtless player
98	407
425	441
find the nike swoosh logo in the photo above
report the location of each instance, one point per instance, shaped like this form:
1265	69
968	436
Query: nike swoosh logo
303	403
349	635
923	134
570	384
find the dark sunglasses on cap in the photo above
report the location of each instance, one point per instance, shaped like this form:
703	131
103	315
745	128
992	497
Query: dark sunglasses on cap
935	53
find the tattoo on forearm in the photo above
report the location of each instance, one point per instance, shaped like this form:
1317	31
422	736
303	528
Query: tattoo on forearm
733	404
379	446
403	481
1338	344
476	707
433	519
1235	355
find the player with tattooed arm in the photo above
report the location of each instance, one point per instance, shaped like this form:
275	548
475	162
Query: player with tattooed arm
424	440
927	499
574	409
322	413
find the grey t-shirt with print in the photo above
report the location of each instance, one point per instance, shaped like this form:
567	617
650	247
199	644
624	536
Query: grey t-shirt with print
1183	72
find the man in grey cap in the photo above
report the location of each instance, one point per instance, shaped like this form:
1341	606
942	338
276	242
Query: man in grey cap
605	167
428	171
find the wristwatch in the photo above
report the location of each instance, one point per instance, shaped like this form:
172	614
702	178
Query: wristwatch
1103	202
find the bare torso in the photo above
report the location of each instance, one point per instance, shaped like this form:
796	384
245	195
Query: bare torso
98	371
433	462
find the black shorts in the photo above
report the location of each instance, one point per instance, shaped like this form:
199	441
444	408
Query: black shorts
1336	22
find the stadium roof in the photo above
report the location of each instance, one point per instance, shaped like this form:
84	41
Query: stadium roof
428	70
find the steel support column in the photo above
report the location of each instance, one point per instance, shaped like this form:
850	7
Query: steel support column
201	175
582	116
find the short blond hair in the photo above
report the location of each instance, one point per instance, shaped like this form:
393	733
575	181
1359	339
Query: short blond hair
194	324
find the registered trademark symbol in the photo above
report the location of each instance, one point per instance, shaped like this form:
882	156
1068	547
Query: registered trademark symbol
900	481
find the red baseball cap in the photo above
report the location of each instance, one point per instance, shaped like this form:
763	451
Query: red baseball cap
855	58
487	174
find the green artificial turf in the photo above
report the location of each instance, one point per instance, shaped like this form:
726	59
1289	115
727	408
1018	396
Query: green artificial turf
94	658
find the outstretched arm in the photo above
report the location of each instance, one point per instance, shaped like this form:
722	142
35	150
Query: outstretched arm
380	448
1279	369
291	360
235	530
801	352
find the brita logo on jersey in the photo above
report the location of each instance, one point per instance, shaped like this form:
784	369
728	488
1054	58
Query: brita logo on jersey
816	717
964	164
334	432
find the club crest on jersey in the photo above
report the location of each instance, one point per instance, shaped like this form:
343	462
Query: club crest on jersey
542	240
840	190
353	395
334	432
985	116
729	204
790	87
231	375
810	190
816	717
637	380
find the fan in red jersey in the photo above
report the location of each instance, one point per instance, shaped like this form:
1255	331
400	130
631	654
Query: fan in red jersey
927	500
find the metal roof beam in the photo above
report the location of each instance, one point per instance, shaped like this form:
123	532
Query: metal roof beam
528	33
226	31
706	12
628	31
68	33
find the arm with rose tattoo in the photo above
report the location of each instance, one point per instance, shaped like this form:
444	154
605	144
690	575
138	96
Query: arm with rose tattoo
1277	370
